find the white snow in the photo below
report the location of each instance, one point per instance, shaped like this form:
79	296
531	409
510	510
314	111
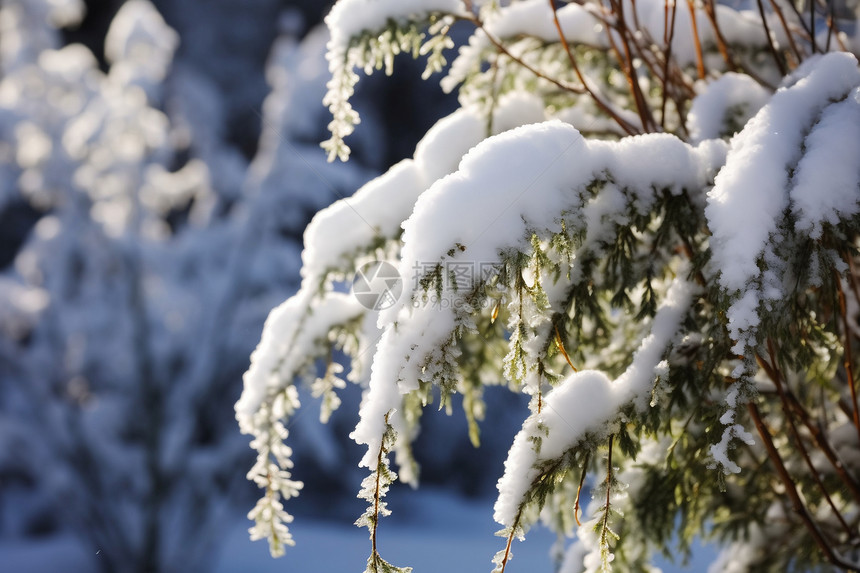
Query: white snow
349	18
517	108
752	191
379	207
517	176
730	93
290	334
534	18
833	148
138	32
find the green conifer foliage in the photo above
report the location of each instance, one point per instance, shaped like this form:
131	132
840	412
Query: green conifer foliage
662	201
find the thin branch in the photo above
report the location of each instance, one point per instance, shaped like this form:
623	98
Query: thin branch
700	60
491	113
848	360
604	543
791	491
777	378
645	48
579	489
810	33
636	23
852	277
711	12
818	436
629	69
560	345
625	125
608	480
770	43
668	38
831	29
374	552
828	451
511	540
812	25
504	50
788	33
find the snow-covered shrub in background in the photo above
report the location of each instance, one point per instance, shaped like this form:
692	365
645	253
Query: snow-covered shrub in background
662	201
128	311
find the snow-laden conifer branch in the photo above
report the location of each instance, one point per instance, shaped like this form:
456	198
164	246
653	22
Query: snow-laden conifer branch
764	207
580	247
767	172
294	334
368	34
365	227
373	490
339	235
507	189
304	329
586	404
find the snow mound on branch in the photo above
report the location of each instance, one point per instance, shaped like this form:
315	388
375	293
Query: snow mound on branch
581	403
587	401
534	18
751	193
731	93
349	18
282	352
834	146
379	207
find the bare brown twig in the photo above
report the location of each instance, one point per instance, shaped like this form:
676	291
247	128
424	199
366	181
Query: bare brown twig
791	490
700	60
504	50
642	107
579	489
513	533
773	51
625	125
775	375
711	12
778	11
668	38
848	361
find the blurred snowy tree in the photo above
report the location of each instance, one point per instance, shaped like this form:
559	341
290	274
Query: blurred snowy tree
147	254
645	217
